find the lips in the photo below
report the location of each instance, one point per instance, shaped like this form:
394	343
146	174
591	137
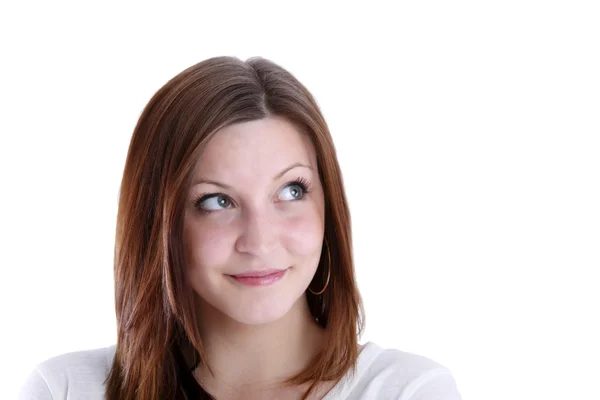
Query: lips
265	277
258	274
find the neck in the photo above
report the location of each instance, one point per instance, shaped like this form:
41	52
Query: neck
251	357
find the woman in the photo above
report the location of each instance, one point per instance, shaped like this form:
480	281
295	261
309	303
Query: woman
234	276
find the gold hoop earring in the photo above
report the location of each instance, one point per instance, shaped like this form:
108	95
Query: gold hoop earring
328	272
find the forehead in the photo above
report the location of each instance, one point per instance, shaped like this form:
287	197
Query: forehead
247	149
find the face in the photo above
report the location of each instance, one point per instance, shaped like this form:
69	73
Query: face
255	204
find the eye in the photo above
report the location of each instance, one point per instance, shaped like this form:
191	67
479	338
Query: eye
213	202
295	190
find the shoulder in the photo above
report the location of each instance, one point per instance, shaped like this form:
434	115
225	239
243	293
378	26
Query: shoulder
394	374
77	375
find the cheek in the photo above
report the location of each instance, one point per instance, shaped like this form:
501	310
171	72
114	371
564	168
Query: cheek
304	234
206	246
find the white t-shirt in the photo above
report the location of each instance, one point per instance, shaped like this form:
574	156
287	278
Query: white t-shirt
381	374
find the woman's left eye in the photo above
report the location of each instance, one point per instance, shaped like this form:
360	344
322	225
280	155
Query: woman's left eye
293	191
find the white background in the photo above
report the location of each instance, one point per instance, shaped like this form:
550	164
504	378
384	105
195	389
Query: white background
468	134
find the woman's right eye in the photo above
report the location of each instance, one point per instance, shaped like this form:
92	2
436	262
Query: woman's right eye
213	202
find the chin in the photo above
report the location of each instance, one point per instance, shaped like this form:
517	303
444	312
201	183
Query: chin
260	312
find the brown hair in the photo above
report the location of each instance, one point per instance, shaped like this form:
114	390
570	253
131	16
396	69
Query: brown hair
154	302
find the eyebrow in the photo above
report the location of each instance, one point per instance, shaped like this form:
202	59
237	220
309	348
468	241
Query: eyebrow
279	175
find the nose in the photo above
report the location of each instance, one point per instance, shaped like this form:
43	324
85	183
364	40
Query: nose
258	236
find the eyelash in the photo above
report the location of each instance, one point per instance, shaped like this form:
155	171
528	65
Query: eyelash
303	183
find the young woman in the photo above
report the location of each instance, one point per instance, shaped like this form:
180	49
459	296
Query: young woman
234	274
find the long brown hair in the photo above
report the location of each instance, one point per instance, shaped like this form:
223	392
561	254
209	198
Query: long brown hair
154	302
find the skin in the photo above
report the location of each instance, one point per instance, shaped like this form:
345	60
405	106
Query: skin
255	337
